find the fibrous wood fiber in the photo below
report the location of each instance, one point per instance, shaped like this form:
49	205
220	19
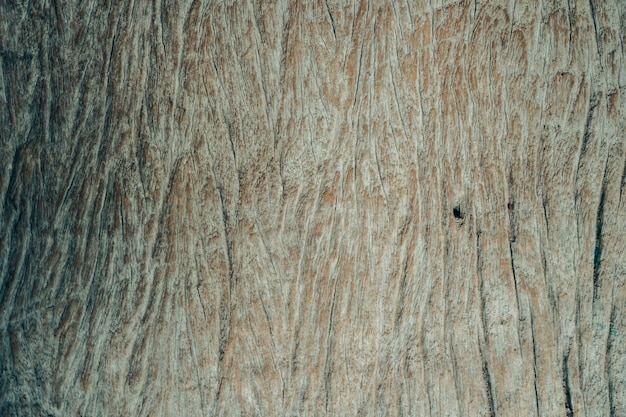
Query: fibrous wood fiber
312	208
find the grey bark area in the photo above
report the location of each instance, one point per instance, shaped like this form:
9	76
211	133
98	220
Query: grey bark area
312	208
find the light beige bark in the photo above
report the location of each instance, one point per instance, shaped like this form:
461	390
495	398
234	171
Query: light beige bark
312	208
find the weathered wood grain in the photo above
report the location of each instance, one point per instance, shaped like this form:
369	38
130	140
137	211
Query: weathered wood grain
313	208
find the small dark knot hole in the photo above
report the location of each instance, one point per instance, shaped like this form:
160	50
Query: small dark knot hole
457	213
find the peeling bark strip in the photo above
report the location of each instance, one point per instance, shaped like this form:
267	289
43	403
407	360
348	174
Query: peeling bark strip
312	208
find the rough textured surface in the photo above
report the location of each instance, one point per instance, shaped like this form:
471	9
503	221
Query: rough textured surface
308	208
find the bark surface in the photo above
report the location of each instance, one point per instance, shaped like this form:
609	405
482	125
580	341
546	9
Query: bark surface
312	208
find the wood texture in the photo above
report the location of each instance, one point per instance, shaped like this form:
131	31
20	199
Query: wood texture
312	208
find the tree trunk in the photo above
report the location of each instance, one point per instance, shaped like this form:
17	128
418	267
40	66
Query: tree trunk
313	208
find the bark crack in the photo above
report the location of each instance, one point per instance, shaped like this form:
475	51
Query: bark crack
569	410
597	253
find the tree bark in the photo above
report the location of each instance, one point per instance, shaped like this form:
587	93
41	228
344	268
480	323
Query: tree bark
313	208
